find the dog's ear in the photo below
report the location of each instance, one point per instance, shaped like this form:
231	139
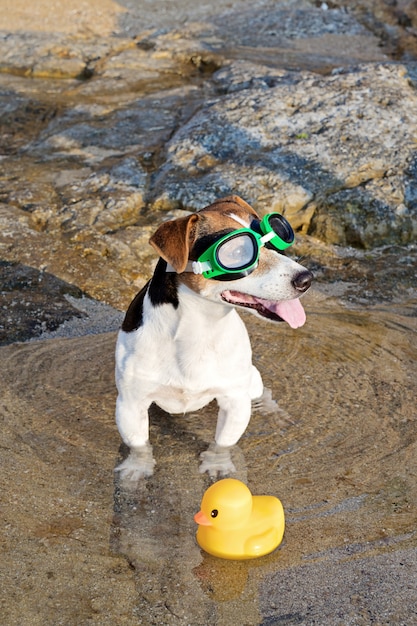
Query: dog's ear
174	239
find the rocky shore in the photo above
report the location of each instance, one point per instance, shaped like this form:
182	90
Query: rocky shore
297	106
115	116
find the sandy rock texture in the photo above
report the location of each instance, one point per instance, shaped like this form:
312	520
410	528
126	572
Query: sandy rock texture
299	107
115	116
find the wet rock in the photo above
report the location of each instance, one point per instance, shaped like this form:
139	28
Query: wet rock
141	68
393	22
108	266
92	132
54	56
296	142
164	120
32	302
298	35
333	151
21	119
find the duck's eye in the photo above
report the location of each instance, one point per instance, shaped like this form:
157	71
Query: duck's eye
214	513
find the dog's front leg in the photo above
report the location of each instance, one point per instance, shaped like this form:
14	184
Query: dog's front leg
133	425
233	418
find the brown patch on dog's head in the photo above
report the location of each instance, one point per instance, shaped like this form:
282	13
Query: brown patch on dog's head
175	239
231	204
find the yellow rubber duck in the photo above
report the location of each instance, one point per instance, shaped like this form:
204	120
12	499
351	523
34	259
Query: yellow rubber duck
233	524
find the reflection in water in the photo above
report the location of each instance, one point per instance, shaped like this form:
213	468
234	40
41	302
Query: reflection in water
339	452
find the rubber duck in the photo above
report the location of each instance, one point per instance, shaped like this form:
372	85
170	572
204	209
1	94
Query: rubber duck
234	524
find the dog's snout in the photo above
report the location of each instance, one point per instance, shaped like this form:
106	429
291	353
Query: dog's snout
302	281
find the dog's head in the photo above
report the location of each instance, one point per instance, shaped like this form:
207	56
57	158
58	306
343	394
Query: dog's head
270	289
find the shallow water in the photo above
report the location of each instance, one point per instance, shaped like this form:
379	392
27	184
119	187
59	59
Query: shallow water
78	547
340	453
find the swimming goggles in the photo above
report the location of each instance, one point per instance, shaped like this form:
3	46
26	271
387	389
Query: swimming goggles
236	254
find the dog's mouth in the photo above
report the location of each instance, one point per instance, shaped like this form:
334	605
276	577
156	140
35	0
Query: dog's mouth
290	311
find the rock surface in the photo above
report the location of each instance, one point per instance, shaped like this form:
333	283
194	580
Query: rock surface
79	548
296	107
115	116
335	154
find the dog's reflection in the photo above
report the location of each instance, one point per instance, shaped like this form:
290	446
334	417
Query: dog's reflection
153	525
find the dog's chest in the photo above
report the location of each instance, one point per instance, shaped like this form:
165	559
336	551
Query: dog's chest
193	376
199	358
186	350
180	400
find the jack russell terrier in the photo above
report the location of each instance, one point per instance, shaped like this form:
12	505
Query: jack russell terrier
182	343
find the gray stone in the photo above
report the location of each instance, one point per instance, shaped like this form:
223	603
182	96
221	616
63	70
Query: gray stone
332	152
364	596
32	302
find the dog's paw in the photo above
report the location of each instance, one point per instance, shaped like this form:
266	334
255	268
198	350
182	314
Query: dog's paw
217	461
139	464
265	403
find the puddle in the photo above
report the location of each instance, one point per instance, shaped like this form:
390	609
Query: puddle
340	453
339	450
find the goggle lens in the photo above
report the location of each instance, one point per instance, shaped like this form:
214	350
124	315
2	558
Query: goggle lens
284	234
237	252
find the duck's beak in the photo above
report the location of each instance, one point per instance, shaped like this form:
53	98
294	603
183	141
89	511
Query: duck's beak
201	519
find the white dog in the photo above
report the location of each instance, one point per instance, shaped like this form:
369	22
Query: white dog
182	342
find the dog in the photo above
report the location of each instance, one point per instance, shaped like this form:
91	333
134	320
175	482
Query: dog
183	344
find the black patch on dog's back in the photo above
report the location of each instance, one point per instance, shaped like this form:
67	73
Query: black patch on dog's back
134	314
163	286
162	289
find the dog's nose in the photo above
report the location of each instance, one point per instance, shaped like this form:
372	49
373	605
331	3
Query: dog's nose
302	281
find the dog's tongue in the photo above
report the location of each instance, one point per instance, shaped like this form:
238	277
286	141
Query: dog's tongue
291	311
